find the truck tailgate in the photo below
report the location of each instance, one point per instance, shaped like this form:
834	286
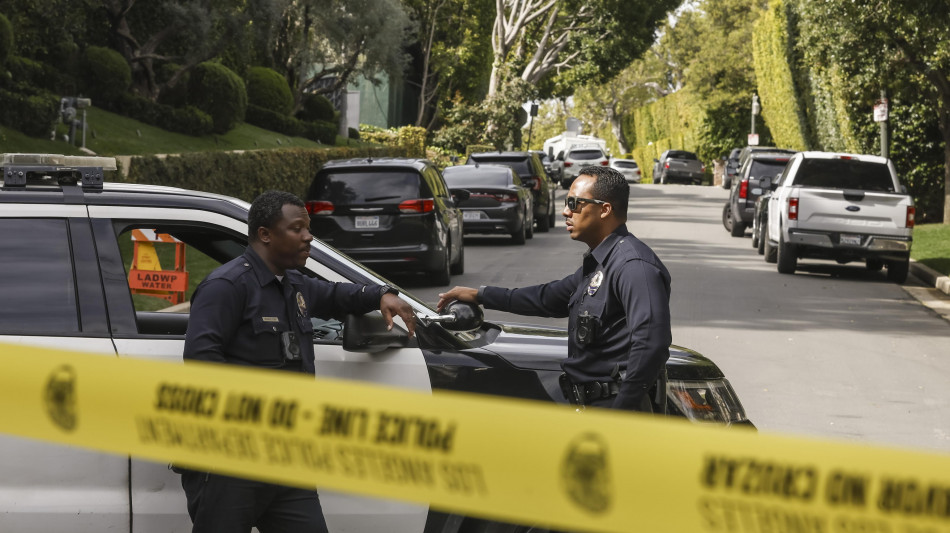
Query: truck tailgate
879	213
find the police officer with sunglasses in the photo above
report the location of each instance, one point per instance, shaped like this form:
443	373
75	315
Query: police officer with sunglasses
617	302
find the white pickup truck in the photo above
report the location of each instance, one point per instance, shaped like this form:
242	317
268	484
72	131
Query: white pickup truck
843	207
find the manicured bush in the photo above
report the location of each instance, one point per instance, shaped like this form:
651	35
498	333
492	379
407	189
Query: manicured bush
316	107
353	133
32	113
274	121
268	89
27	74
6	39
320	131
106	74
188	120
219	92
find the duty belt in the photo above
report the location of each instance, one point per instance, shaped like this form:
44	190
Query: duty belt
584	393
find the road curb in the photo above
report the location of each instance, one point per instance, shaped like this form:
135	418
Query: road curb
930	276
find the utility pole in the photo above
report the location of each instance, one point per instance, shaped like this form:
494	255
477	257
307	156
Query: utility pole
885	142
753	139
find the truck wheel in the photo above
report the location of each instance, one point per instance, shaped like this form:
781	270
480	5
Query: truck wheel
760	245
897	270
543	224
738	229
874	265
786	257
767	249
520	236
755	237
727	217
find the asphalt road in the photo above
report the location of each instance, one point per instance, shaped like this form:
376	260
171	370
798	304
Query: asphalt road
832	351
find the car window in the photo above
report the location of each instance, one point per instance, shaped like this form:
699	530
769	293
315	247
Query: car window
475	179
625	164
677	154
844	174
766	167
38	288
586	154
363	187
437	183
517	163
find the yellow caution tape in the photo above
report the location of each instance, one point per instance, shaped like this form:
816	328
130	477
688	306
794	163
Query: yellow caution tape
516	461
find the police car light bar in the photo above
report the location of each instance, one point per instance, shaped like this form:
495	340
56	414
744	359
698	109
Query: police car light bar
57	160
59	169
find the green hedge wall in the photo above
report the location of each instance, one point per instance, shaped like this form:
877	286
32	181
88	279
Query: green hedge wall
770	51
246	174
672	122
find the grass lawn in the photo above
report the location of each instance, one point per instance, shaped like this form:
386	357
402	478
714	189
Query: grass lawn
932	246
111	134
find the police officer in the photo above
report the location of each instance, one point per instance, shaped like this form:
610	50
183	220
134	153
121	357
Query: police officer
255	311
618	301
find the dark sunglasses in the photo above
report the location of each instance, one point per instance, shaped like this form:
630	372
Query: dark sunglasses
572	202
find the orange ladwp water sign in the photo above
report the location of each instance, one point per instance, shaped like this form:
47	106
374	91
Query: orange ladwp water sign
146	275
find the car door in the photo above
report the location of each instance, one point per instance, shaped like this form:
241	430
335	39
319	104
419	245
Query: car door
142	330
52	297
452	214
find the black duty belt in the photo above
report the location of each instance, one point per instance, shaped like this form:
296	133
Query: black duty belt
584	393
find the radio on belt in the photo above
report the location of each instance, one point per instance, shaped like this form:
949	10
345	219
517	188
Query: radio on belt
18	170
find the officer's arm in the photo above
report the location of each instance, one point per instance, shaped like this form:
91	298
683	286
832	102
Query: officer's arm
327	299
643	292
547	300
215	316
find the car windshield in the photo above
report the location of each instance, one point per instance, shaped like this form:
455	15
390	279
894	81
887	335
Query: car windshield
767	167
676	154
469	179
518	163
625	164
844	174
586	154
361	187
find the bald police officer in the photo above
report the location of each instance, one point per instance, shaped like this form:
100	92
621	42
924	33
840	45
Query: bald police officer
255	311
617	302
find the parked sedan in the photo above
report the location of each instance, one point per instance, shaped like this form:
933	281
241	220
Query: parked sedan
498	202
531	171
627	167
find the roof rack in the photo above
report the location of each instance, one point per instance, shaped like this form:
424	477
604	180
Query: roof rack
18	170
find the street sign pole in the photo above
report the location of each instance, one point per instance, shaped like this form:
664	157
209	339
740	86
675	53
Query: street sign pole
885	142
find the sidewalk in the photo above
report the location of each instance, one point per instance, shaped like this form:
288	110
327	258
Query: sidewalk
933	291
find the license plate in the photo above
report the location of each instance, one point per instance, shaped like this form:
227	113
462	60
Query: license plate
471	215
847	238
367	222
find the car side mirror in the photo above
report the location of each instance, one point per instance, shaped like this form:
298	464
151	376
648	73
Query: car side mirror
368	334
458	316
655	160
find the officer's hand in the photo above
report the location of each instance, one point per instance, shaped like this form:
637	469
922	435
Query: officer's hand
462	294
390	305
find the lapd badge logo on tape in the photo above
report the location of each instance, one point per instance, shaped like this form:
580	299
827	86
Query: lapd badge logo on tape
60	398
595	282
585	473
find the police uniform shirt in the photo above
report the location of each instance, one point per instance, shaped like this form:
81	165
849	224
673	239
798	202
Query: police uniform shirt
624	290
240	311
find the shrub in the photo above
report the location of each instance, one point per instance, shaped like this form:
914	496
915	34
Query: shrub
32	113
316	107
188	120
353	133
33	74
219	92
320	131
266	88
6	39
177	95
106	74
274	121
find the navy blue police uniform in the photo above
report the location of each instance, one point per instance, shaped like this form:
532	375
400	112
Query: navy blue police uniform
243	314
618	309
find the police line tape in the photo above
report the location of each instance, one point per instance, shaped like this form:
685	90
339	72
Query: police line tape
511	460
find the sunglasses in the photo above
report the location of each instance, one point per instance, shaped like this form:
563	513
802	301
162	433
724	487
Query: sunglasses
572	202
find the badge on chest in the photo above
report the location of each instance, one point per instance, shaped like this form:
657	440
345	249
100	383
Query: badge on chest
595	282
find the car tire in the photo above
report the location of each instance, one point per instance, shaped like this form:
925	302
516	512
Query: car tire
440	276
727	217
737	229
725	183
552	217
874	265
520	236
760	246
458	267
768	250
897	270
787	260
755	237
529	229
543	224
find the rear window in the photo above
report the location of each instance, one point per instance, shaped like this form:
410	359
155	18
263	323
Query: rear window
586	154
625	164
844	174
676	154
470	179
518	164
377	187
766	168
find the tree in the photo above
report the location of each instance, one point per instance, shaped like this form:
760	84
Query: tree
887	44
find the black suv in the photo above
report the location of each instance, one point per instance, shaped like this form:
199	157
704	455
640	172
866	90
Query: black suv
393	214
739	210
532	173
67	250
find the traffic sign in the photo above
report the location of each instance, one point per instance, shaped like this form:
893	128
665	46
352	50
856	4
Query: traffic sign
880	110
753	139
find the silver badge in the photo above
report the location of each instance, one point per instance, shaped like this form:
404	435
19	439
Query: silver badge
595	283
301	304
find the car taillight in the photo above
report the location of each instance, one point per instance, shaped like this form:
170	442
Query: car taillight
793	208
744	189
911	214
703	167
417	206
638	172
568	164
604	163
320	208
507	198
666	165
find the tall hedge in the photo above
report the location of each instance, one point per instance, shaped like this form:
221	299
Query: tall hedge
777	93
671	122
245	174
268	89
6	39
219	92
106	74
